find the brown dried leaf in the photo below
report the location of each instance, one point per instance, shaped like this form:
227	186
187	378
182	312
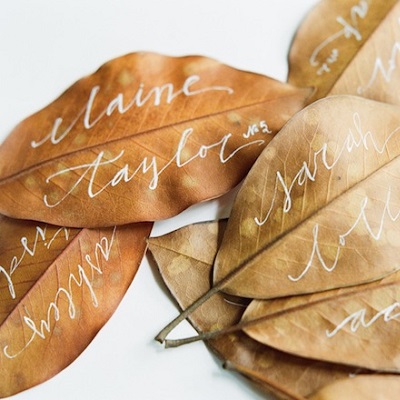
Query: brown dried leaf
354	326
349	47
320	208
185	259
131	142
371	387
59	287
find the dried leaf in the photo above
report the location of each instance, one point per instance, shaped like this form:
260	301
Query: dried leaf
354	326
372	387
131	142
59	287
185	259
349	47
320	208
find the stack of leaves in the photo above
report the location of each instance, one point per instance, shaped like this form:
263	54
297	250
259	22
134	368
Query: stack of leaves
310	244
313	237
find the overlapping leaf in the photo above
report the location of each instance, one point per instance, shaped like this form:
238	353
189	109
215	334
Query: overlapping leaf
185	259
320	207
349	47
59	287
131	142
318	211
354	326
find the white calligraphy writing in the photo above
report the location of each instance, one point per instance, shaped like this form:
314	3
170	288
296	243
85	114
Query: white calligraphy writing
255	128
387	212
359	319
349	30
356	138
82	279
155	95
87	173
30	250
385	70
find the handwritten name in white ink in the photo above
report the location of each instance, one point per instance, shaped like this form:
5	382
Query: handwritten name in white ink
350	29
41	235
385	70
359	319
88	173
355	139
386	214
81	279
155	95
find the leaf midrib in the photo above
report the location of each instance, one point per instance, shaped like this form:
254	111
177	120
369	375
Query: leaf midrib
243	264
39	165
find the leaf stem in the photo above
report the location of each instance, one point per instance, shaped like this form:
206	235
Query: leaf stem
161	337
170	343
351	291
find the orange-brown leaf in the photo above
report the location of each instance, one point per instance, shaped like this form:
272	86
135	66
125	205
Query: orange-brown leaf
349	47
59	287
141	139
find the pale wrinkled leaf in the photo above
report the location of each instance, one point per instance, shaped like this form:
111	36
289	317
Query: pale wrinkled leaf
349	47
131	142
59	287
320	207
354	326
185	259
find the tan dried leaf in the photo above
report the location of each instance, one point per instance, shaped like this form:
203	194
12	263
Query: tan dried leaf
131	142
349	47
185	259
354	326
320	208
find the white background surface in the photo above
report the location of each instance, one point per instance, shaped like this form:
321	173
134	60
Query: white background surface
45	46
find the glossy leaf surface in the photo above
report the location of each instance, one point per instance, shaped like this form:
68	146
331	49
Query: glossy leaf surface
132	142
59	287
349	47
320	208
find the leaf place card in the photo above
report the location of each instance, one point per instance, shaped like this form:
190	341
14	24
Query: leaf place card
299	289
313	231
320	207
348	47
131	142
354	326
59	287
